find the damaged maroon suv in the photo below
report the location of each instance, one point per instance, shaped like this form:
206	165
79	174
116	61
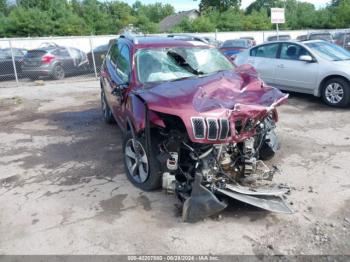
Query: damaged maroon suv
192	123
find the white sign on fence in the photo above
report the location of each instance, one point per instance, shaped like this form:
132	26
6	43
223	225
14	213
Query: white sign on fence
277	16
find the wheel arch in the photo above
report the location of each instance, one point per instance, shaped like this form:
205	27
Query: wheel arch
327	78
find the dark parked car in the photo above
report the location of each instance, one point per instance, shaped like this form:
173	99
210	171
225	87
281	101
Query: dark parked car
192	122
232	47
249	38
99	55
326	36
54	61
302	38
343	40
279	38
6	63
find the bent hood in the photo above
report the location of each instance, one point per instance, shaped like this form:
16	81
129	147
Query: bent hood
232	95
223	90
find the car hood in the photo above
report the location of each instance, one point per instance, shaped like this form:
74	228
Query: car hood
232	95
223	90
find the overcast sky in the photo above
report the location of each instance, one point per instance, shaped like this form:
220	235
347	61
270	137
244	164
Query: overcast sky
181	5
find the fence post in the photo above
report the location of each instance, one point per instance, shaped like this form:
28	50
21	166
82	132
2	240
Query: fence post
93	57
13	63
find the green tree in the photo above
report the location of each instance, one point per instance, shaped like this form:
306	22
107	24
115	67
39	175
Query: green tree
218	5
264	4
340	16
28	22
257	20
154	12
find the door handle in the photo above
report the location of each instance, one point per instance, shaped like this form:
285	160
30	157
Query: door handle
280	66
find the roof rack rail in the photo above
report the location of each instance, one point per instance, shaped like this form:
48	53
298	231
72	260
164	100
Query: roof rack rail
129	36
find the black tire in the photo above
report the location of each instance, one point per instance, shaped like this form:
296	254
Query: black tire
152	180
58	72
336	92
106	111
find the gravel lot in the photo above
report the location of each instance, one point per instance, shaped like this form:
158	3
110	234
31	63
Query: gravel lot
63	189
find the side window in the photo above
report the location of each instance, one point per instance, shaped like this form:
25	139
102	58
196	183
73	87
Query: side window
113	55
63	52
123	62
291	51
267	51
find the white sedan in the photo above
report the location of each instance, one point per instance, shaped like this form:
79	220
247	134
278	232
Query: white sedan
312	67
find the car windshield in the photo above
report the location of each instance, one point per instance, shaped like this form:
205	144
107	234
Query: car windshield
171	64
235	43
329	51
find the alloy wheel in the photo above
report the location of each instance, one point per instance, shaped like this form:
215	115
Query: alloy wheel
334	93
136	161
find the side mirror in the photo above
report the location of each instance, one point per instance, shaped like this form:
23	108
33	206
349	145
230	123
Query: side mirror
103	56
306	58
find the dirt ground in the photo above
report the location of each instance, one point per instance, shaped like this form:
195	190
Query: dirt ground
63	189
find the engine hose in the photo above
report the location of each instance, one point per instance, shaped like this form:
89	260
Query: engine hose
198	157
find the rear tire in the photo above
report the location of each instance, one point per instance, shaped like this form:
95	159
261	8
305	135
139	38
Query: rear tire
106	111
336	92
58	72
139	167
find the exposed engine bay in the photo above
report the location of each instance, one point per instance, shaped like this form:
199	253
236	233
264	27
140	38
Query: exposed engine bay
203	175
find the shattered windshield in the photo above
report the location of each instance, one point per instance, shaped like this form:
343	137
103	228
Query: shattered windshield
171	64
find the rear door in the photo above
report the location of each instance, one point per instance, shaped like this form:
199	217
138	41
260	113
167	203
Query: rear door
293	74
264	59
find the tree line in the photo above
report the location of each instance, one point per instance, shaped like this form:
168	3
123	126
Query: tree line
24	18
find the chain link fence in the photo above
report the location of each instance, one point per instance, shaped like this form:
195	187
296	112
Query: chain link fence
25	61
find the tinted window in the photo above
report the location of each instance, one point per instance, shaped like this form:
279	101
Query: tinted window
292	51
123	62
113	55
268	51
35	53
236	43
63	52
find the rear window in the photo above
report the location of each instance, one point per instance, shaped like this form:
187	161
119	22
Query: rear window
235	43
35	53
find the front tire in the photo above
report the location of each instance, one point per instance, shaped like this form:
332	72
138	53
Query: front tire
139	166
336	92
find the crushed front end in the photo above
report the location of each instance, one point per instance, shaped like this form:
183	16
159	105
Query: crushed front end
214	149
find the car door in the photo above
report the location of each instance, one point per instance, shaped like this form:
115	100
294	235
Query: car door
293	74
118	64
264	58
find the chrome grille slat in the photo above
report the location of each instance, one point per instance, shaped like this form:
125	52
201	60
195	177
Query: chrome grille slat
213	128
199	127
224	128
210	128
